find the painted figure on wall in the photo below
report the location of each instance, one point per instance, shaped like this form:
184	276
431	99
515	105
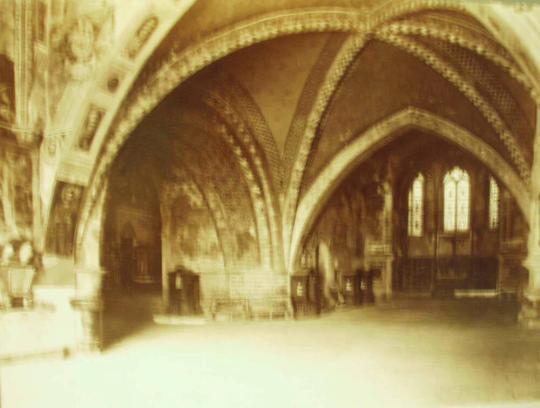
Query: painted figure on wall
62	233
86	38
7	95
15	194
127	255
327	273
6	110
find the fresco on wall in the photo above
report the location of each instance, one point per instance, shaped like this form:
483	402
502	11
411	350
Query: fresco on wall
239	212
336	245
132	231
76	35
193	239
228	198
15	193
7	93
82	36
63	219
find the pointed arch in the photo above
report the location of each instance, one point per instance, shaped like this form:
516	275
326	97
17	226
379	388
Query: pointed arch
415	207
494	194
456	208
182	62
381	134
123	114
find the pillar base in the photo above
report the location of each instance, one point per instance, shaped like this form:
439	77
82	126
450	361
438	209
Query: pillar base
529	315
91	312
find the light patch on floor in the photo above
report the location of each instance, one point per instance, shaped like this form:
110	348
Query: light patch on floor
409	353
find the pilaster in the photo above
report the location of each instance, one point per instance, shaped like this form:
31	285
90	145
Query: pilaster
88	301
530	307
23	62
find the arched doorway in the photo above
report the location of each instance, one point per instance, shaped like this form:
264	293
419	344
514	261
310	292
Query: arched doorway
182	199
131	244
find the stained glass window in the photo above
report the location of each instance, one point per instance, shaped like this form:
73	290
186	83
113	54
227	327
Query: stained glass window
493	203
456	200
416	207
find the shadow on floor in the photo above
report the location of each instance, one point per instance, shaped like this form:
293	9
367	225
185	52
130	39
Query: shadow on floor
127	312
118	328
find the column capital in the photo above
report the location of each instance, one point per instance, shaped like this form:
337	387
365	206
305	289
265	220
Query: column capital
532	295
529	315
530	302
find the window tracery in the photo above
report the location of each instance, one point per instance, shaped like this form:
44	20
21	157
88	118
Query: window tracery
493	204
456	200
416	207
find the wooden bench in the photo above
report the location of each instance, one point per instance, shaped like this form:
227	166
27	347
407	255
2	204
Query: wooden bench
232	308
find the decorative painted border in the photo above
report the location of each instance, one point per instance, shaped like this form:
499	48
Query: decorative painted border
461	37
262	196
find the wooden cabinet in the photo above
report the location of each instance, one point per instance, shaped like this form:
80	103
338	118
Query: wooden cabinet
184	296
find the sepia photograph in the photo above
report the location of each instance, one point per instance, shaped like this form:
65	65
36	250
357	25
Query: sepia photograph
269	203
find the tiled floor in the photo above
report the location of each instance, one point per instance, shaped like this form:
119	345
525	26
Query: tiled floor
406	353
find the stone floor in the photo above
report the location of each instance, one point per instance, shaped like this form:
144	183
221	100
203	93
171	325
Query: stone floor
422	352
48	327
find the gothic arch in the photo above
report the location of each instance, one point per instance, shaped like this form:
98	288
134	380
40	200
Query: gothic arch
263	192
241	100
379	135
181	64
123	117
391	32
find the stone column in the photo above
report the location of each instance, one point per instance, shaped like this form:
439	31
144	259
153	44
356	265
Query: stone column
388	226
530	307
89	303
530	303
388	236
166	202
89	276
